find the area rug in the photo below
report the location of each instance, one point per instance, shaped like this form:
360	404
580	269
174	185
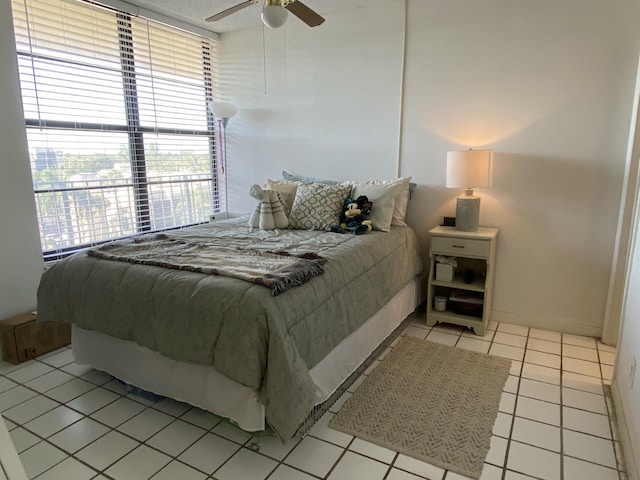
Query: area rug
431	402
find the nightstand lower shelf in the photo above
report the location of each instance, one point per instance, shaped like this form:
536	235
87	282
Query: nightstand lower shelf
475	323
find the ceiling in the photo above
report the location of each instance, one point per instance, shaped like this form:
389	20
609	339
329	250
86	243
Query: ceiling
195	11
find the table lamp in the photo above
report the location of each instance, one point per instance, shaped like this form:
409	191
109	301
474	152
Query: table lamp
468	169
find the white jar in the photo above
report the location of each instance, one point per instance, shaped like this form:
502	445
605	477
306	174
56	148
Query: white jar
439	303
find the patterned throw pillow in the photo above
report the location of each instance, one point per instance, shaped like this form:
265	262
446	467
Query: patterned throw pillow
317	206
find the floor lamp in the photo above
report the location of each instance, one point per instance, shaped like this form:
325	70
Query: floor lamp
223	111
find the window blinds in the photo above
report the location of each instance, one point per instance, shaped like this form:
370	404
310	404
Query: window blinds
120	139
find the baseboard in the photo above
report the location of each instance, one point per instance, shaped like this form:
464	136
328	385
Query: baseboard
547	323
625	437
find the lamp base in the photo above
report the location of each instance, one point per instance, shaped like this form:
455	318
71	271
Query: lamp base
467	213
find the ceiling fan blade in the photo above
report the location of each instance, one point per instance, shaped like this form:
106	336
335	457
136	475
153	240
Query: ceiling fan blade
229	11
304	13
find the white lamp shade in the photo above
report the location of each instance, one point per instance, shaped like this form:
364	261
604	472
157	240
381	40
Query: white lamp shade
274	16
469	168
223	109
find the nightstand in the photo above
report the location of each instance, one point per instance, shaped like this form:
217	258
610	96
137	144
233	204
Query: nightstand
466	298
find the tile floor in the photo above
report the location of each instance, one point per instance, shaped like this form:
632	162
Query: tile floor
70	422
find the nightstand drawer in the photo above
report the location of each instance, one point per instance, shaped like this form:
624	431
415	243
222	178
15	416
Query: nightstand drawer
460	246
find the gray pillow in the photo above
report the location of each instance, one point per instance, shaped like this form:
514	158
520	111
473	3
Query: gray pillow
296	178
317	206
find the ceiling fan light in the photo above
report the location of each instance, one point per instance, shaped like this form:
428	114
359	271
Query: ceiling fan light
274	16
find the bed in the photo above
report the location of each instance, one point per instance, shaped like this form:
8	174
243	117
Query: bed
229	345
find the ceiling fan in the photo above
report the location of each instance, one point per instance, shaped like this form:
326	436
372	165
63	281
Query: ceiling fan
274	12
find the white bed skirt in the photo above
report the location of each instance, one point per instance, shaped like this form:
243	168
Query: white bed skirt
202	386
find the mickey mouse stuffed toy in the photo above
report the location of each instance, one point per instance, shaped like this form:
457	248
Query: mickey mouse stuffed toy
353	217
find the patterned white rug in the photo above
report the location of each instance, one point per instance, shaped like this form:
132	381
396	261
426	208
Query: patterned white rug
429	401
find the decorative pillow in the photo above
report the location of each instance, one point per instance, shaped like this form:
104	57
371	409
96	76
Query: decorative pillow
287	190
317	206
295	178
383	196
401	198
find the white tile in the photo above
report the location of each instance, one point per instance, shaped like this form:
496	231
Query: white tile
352	465
322	431
314	456
607	373
586	422
605	348
473	344
49	380
511	385
545	346
30	409
418	467
178	471
15	396
274	448
285	472
536	461
97	377
575	469
176	437
590	448
371	450
539	390
78	435
146	424
581	353
68	469
356	383
487	337
509	475
106	450
22	439
582	382
497	451
507	403
59	359
77	370
337	405
536	434
70	390
538	410
584	400
396	474
541	373
493	325
507	351
417	332
171	407
139	464
489	472
93	400
579	340
513	329
34	370
118	412
442	338
6	367
449	328
115	386
200	418
516	367
384	353
547	335
228	431
53	421
540	358
247	465
208	453
510	339
502	425
40	457
6	384
372	367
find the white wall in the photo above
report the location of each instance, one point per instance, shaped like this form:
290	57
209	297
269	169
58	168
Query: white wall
20	254
322	101
547	85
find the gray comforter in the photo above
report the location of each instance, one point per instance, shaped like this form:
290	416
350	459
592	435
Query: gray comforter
266	343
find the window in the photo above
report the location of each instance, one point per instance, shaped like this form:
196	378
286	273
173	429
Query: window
120	139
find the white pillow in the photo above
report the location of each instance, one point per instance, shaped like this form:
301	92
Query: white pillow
318	206
382	195
401	196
